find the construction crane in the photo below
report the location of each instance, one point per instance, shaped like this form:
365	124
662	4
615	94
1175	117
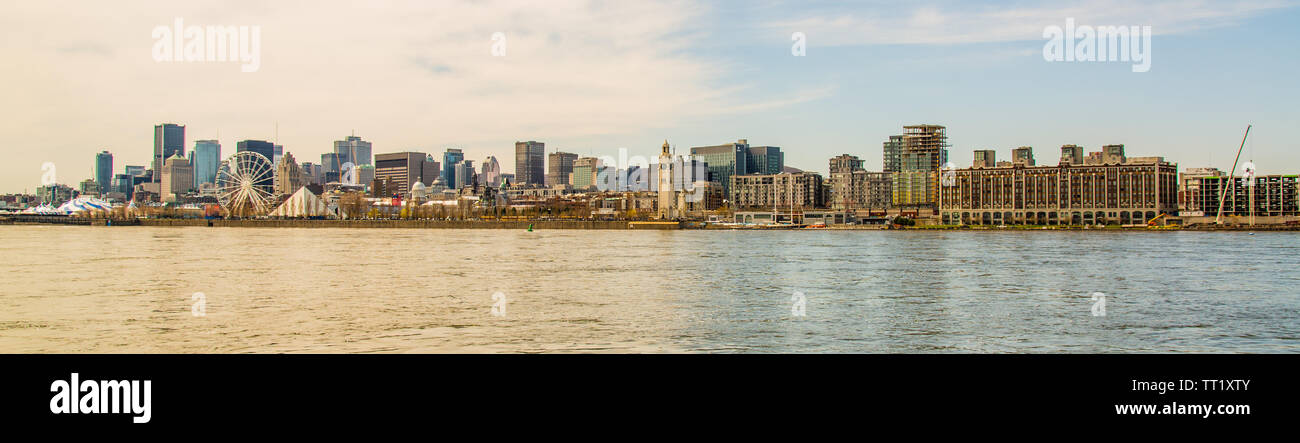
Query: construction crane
1218	218
1153	221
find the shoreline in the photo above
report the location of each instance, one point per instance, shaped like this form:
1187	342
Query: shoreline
590	225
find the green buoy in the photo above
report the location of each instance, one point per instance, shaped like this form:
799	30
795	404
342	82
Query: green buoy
530	227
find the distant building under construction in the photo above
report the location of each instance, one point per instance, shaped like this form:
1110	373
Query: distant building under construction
913	161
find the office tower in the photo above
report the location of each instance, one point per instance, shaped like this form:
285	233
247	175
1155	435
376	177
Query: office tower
277	152
168	140
432	171
330	166
353	149
177	177
1023	155
764	160
104	172
985	158
266	149
558	167
311	173
205	159
464	173
123	183
585	170
530	163
1071	155
724	161
491	175
449	160
403	169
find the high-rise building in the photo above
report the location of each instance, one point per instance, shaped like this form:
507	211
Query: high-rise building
559	166
330	167
491	172
985	158
449	160
206	158
267	150
585	170
312	173
432	171
177	177
853	188
764	160
168	140
277	153
893	148
353	149
104	172
530	163
289	176
403	169
464	173
1023	155
923	151
724	161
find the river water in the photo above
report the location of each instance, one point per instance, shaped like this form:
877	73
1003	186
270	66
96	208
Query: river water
84	289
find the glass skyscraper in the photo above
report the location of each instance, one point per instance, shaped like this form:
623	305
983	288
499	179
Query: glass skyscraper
205	158
104	172
449	160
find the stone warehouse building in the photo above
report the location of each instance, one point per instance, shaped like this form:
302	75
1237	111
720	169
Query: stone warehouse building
1109	189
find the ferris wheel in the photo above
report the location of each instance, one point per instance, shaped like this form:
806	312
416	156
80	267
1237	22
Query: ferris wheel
244	183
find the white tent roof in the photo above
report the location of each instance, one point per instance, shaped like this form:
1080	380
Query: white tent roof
80	204
302	204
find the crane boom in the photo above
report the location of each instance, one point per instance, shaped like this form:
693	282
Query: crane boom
1223	193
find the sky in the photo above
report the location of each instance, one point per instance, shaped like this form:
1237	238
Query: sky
592	77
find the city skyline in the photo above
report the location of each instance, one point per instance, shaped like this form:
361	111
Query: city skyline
663	73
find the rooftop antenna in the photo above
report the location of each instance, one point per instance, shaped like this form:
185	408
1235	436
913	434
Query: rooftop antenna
1223	193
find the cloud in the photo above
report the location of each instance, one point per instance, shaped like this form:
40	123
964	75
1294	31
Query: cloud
941	23
404	74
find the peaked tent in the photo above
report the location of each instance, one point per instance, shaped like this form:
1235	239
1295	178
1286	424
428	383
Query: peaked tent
302	204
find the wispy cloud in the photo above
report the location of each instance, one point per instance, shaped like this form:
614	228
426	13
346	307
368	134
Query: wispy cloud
406	74
962	22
